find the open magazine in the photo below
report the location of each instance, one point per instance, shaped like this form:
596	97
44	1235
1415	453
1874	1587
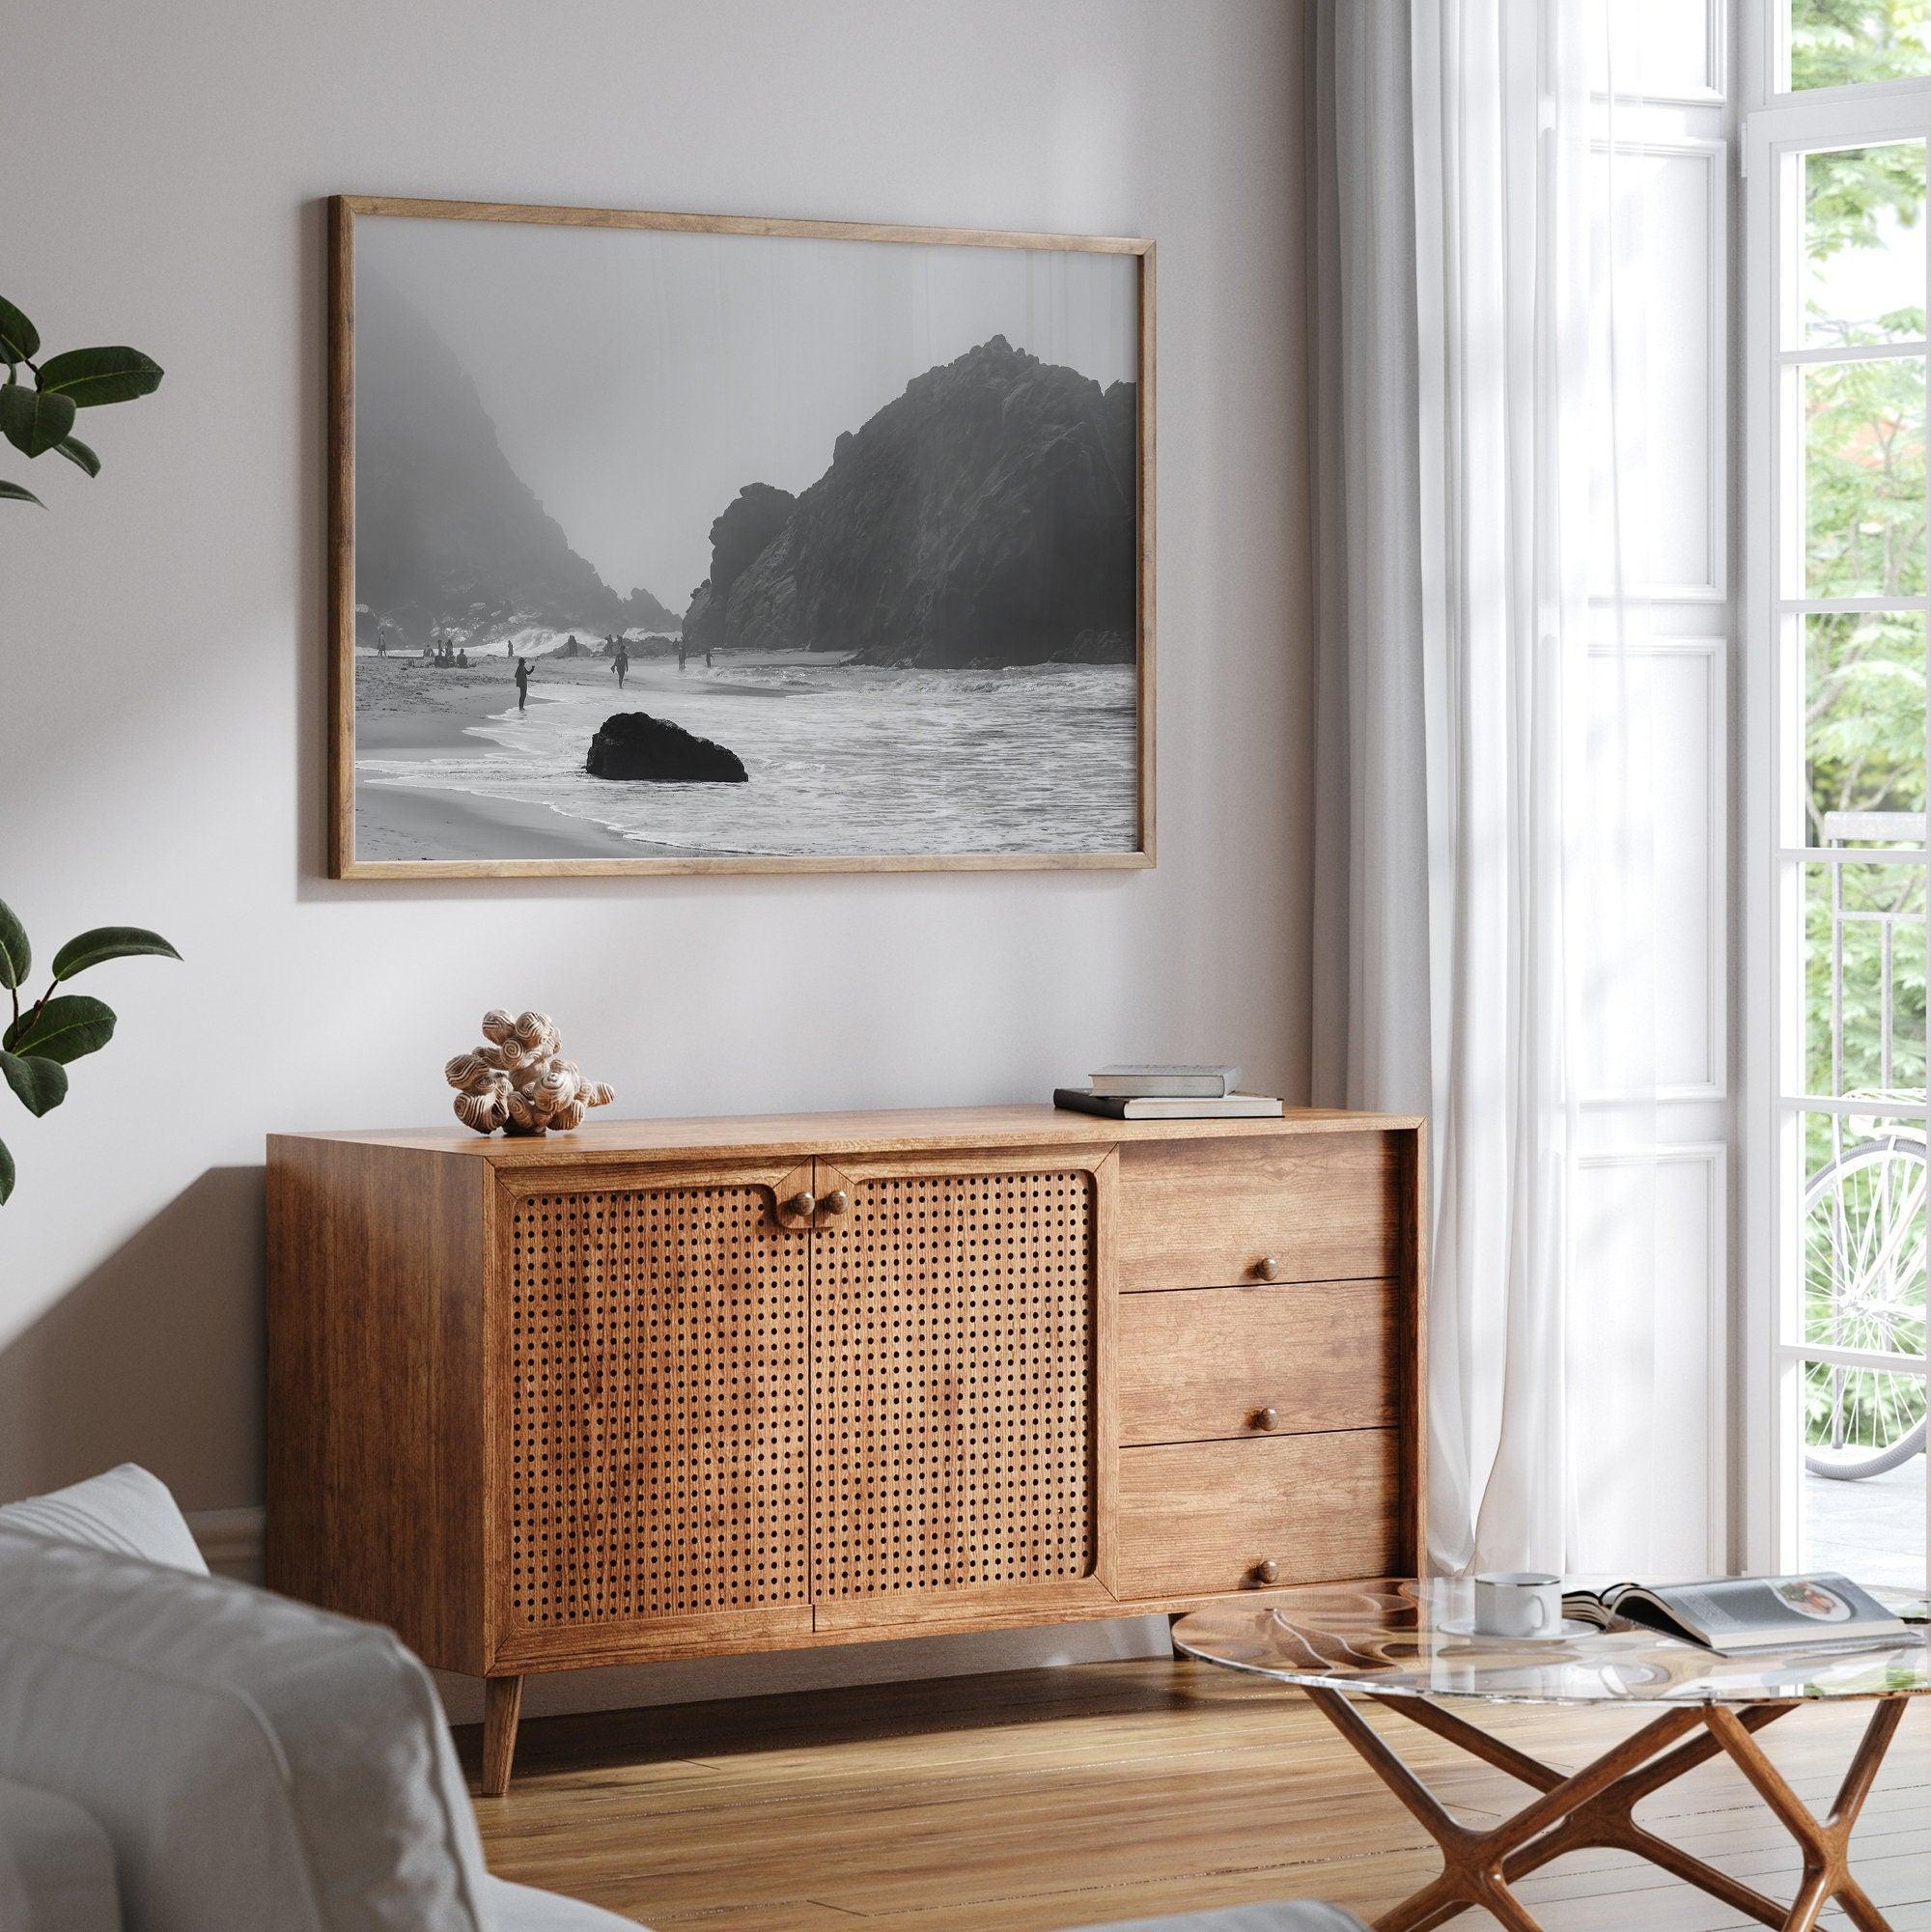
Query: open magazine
1736	1615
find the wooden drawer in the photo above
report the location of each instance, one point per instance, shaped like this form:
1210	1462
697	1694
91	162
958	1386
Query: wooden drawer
1200	1518
1211	1213
1204	1363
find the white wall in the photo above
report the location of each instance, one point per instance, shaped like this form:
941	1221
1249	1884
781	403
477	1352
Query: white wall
161	709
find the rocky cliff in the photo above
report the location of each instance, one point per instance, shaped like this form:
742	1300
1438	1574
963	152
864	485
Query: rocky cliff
446	533
986	515
750	520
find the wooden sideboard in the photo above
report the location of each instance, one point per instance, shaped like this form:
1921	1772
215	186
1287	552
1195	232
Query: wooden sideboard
671	1388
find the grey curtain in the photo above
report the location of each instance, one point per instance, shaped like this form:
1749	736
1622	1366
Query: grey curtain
1374	1044
1371	1009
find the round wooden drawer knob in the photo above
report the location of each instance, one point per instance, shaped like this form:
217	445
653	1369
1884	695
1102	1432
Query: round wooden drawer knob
1268	1268
1267	1571
803	1206
835	1202
1267	1418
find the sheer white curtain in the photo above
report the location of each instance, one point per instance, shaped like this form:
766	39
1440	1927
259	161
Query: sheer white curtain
1482	841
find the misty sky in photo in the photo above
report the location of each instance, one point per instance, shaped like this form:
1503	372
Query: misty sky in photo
639	380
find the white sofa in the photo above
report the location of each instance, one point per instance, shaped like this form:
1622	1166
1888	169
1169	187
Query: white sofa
179	1752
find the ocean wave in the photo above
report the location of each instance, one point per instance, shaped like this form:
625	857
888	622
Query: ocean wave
853	759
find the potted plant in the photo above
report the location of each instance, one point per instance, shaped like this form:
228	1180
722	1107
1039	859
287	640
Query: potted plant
45	1036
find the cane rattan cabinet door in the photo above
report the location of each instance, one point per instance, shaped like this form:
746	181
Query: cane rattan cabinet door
658	1405
956	1354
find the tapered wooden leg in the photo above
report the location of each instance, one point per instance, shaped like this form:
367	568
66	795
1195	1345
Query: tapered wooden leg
1859	1908
502	1706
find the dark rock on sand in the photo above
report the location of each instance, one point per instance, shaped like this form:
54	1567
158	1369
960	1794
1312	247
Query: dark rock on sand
635	744
986	515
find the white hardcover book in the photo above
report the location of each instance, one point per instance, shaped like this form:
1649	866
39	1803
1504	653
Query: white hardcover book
1165	1082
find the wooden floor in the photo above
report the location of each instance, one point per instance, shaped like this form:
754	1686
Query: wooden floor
1050	1799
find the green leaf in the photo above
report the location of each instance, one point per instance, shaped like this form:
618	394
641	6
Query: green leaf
108	942
91	376
17	957
34	420
20	341
77	451
39	1083
11	492
64	1029
6	1174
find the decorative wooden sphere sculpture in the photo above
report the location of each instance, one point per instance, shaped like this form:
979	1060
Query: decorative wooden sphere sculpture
519	1079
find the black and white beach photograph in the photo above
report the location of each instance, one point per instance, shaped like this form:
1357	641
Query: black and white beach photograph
691	546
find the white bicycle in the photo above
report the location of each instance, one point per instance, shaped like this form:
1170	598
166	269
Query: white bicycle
1863	1289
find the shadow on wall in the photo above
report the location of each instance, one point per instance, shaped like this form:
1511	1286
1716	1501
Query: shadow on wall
155	1358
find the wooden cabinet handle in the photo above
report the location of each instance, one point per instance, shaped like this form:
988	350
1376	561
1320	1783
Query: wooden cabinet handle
1267	1570
1268	1268
803	1206
1267	1418
835	1202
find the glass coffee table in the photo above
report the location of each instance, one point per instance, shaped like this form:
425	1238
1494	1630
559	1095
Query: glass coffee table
1406	1645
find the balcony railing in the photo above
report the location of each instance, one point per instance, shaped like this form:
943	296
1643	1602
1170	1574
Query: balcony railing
1863	1309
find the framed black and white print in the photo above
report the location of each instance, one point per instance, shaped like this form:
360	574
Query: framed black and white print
668	543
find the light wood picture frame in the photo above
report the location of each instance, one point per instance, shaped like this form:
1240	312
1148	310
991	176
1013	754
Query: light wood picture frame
895	462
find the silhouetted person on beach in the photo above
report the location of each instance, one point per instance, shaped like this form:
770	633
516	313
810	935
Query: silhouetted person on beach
680	653
622	662
522	683
707	656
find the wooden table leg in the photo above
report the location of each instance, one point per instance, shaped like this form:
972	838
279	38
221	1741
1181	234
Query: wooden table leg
1473	1864
502	1706
1826	1843
1610	1822
1595	1805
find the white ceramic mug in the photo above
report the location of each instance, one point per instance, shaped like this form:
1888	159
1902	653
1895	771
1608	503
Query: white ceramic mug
1517	1603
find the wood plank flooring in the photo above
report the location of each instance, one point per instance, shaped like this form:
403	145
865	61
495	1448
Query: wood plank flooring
1041	1800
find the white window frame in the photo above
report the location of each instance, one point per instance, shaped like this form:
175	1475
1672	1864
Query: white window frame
1775	126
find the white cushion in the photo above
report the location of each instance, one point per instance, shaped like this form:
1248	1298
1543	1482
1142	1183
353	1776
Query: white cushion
56	1865
258	1766
1292	1914
519	1908
125	1509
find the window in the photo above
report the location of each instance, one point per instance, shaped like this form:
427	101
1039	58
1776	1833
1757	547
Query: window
1854	43
1837	640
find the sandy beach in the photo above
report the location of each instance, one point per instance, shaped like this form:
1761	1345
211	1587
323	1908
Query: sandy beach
411	709
398	822
422	734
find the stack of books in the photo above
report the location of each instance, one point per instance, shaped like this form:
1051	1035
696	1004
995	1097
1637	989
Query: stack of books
1166	1093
